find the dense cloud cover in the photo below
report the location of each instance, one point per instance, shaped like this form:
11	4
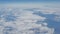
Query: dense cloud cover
24	21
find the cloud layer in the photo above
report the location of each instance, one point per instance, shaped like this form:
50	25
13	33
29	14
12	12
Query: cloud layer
20	21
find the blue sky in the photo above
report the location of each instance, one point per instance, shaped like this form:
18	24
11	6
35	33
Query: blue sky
29	1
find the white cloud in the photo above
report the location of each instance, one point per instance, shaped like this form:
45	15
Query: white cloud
50	10
27	20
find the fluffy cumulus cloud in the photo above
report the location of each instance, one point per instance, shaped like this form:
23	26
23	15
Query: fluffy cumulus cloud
19	21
